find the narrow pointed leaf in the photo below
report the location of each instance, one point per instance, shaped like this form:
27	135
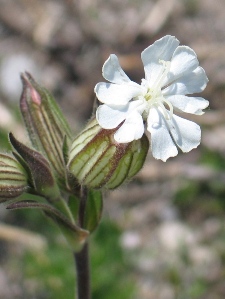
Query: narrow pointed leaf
42	177
93	210
74	203
75	235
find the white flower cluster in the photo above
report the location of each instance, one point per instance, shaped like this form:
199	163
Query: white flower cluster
171	73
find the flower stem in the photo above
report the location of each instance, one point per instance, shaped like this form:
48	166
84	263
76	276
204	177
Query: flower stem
83	273
82	257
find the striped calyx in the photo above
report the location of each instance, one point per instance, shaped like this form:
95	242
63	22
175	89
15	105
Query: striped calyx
97	161
45	123
13	178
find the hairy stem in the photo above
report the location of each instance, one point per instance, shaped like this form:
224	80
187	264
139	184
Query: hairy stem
83	273
82	257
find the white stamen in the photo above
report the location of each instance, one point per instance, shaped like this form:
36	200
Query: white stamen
154	95
162	75
170	108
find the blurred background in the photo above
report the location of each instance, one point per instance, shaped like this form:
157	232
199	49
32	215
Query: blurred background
162	236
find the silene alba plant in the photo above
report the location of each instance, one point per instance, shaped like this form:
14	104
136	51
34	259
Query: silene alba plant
69	173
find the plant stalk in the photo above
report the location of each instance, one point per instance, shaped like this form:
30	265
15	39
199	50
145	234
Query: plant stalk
82	257
83	273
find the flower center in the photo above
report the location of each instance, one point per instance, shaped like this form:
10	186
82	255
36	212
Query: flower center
154	96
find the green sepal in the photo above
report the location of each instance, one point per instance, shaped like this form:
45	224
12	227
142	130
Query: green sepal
140	151
120	174
65	149
97	161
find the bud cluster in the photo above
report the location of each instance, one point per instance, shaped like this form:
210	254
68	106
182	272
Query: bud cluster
93	159
60	169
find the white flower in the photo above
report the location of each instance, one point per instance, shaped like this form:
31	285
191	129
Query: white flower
171	73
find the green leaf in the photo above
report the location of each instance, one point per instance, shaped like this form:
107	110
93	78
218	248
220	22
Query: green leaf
93	210
74	204
74	235
42	176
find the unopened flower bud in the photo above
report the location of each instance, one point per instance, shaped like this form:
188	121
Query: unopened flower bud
97	160
13	178
46	125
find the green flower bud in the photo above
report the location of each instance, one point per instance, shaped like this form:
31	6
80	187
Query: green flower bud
97	160
13	178
46	125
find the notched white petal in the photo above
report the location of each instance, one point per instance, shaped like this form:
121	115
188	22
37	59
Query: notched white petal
162	145
184	60
162	49
131	129
116	94
192	82
113	72
186	133
167	134
193	105
109	118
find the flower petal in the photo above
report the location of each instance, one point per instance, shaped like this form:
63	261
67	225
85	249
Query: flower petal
110	117
162	145
113	72
186	133
116	94
192	82
131	129
192	105
162	49
184	60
